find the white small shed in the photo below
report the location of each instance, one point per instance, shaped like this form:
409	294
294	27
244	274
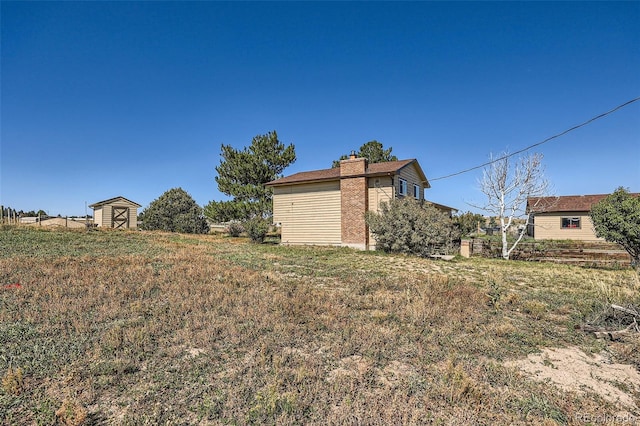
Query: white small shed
117	213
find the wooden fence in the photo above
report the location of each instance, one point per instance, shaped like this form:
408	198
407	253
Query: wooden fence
64	222
587	253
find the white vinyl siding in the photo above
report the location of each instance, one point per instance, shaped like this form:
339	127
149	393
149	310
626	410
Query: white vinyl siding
548	226
308	213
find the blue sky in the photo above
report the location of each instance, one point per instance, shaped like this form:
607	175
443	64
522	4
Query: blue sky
101	99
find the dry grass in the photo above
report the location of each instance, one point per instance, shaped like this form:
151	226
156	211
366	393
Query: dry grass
149	328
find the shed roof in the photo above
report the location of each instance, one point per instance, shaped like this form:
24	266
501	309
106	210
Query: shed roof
112	201
373	169
565	203
442	206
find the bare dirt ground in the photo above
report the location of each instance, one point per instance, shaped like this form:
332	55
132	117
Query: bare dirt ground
575	371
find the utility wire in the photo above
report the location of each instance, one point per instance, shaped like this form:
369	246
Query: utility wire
540	143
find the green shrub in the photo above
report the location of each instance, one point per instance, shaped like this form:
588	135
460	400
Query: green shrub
408	226
256	228
616	218
468	223
234	229
174	211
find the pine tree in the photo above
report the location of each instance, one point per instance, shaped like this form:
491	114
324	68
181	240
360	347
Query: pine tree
174	211
242	175
373	151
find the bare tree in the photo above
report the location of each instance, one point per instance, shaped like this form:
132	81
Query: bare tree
507	187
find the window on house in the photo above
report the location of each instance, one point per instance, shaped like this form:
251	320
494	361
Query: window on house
403	187
416	192
570	222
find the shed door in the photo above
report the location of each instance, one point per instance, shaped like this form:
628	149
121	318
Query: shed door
120	217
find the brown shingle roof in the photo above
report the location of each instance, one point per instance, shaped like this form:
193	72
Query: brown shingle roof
373	169
312	176
565	203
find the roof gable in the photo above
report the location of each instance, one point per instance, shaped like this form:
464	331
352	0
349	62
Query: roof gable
373	169
113	201
421	174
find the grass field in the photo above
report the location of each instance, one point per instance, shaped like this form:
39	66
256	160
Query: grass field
138	328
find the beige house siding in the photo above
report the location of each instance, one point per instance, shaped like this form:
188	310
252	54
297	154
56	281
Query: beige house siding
381	190
548	226
410	174
106	216
328	206
133	217
308	213
97	217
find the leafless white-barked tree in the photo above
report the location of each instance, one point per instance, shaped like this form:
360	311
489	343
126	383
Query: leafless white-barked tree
507	183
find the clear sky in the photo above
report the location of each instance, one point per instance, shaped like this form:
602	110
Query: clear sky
102	99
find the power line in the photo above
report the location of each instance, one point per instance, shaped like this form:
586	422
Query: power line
540	143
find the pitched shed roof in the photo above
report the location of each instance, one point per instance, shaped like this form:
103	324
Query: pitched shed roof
111	201
373	169
565	203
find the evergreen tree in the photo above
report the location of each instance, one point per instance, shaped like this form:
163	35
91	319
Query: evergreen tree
373	151
242	175
617	218
174	211
468	222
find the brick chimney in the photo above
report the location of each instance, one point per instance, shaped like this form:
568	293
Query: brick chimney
354	202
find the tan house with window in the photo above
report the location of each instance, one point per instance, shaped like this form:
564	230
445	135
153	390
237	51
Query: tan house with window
118	213
327	207
563	218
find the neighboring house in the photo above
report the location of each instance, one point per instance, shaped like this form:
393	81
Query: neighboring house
563	218
118	213
328	207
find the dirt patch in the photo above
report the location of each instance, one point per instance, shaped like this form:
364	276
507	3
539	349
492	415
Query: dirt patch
356	366
573	370
351	366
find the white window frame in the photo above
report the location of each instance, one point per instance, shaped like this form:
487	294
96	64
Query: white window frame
402	187
573	222
416	191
